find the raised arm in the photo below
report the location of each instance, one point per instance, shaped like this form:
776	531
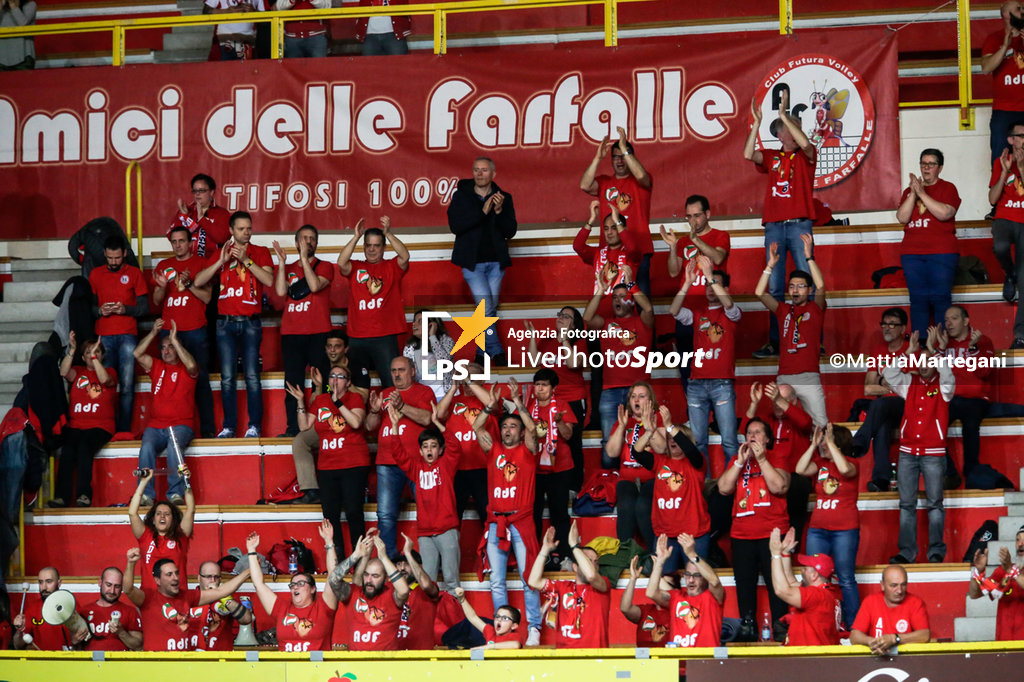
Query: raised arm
784	589
588	183
138	525
397	579
345	257
587	568
761	290
630	610
134	594
816	276
210	271
662	552
483	437
428	586
401	251
530	435
750	151
331	552
686	541
636	168
144	359
548	543
186	358
227	589
266	596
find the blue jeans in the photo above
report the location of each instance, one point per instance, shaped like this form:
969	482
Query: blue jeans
384	44
608	408
703	396
314	46
998	130
195	342
237	334
117	353
677	561
485	283
933	469
841	545
13	462
499	570
787	235
930	284
391	481
158	440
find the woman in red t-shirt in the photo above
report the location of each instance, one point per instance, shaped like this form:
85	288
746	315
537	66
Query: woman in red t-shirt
835	524
343	462
165	532
303	622
635	489
93	399
929	252
572	387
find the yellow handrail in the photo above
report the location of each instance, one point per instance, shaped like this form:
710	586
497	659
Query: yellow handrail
138	204
963	53
439	10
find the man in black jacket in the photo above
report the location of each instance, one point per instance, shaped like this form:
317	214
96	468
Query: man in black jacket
483	218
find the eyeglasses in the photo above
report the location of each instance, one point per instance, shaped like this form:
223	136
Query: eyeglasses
1016	135
691	575
215	576
502	616
564	316
890	324
339	376
201	191
928	164
297	583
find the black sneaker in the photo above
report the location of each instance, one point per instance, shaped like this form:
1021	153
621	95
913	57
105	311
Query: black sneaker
899	559
766	351
1009	289
747	631
878	486
952	481
311	496
1017	343
56	503
936	559
991	214
780	631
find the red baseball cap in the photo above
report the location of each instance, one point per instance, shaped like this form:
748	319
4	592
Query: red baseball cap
822	563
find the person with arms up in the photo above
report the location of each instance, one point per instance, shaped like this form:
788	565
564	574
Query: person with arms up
501	635
695	612
651	619
815	612
1005	584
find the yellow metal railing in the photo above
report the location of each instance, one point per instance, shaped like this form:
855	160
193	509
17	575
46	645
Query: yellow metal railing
438	10
134	165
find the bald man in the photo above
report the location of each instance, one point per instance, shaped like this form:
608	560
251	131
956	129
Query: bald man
44	636
891	617
115	623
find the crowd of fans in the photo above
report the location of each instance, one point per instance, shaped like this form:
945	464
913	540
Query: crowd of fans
515	452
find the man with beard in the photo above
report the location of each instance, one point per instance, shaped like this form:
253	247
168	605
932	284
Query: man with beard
885	411
172	617
619	258
1005	584
695	612
184	303
115	623
221	619
119	297
45	637
577	609
891	617
416	629
374	604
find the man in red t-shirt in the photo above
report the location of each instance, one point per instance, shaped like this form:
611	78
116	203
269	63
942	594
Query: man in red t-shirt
712	324
801	322
815	607
788	213
172	617
511	473
702	240
1002	55
243	269
651	620
695	612
115	623
376	315
118	298
373	601
962	343
171	415
891	617
413	401
629	188
208	223
45	637
222	618
554	421
577	610
460	407
884	408
1005	584
626	334
185	303
1006	194
618	259
306	320
416	627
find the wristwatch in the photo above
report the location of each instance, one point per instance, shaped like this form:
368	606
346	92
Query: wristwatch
898	640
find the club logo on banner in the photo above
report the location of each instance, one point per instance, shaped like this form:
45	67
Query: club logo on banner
834	107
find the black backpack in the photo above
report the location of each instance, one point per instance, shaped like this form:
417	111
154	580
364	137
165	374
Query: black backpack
984	477
989	530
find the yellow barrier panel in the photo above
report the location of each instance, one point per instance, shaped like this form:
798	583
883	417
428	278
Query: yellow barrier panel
439	10
134	165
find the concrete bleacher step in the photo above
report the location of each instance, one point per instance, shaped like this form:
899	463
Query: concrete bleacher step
974	629
15	351
36	292
190	38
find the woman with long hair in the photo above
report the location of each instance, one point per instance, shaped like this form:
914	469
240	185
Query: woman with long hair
437	346
165	531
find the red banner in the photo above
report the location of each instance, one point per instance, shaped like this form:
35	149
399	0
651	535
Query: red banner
325	141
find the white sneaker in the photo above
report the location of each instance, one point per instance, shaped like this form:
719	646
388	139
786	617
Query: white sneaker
252	432
226	433
534	637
